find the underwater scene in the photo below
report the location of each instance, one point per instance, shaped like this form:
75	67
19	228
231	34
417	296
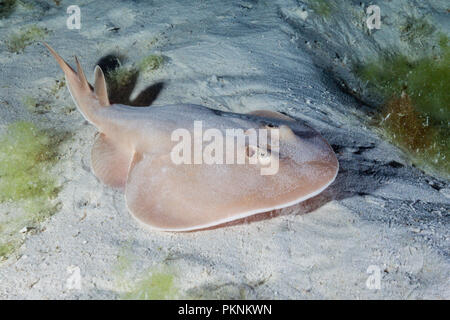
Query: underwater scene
224	150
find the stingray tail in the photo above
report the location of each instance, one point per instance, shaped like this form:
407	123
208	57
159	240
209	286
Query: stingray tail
87	99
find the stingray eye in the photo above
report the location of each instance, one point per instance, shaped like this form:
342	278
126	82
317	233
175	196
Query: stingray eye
264	156
259	155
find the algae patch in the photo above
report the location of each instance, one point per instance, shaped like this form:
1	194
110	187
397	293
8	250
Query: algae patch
150	63
26	36
34	105
123	76
416	104
59	84
120	77
120	83
156	283
321	7
27	188
416	30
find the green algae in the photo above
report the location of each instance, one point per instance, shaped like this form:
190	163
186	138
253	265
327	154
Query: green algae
27	188
416	30
323	8
150	63
17	42
121	77
415	113
120	83
425	80
29	5
7	248
155	285
122	268
59	84
35	105
25	154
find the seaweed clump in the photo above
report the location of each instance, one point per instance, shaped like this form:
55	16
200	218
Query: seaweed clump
121	82
321	7
160	282
415	30
416	104
26	156
120	77
36	106
26	36
150	63
155	286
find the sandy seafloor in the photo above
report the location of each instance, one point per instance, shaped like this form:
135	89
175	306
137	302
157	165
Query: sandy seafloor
235	56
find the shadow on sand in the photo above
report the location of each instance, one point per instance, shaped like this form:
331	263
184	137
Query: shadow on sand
121	94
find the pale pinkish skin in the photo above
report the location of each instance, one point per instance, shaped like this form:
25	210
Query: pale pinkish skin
133	149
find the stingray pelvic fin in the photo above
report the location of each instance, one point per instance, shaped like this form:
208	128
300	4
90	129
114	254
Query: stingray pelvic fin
100	87
110	162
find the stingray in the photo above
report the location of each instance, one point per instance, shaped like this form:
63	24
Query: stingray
133	151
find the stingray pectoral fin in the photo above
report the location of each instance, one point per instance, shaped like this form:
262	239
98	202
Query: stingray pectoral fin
142	196
271	114
110	162
165	196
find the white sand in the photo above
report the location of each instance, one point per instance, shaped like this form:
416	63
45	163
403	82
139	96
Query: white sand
239	57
